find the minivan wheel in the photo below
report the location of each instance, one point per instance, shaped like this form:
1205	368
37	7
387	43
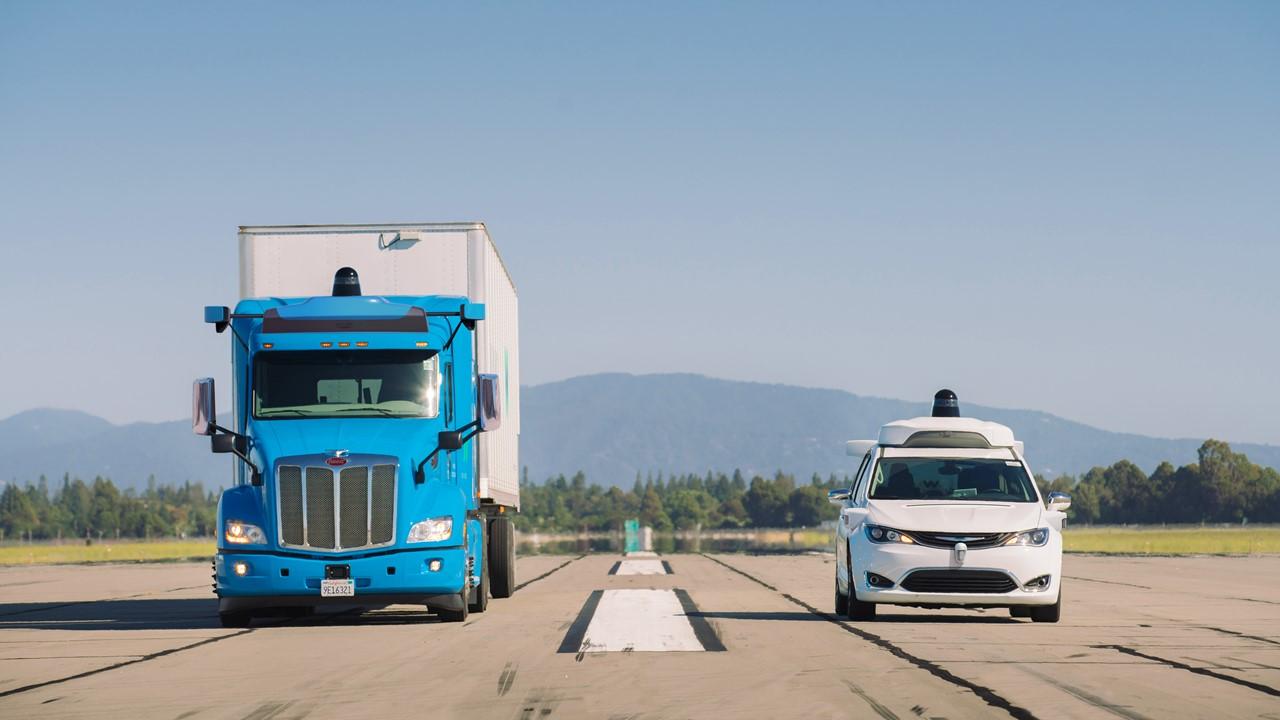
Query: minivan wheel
1020	611
1048	613
857	609
842	600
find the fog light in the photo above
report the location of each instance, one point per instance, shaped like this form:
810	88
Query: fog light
878	581
434	565
241	568
1039	584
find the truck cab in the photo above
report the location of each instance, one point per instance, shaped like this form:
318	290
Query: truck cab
368	437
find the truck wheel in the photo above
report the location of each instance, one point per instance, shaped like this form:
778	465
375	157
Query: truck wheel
502	557
858	610
480	593
451	616
1048	613
239	619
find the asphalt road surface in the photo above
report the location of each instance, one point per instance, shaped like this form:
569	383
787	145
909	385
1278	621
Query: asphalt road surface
601	636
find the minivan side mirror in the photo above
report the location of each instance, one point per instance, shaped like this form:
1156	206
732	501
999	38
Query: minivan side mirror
203	414
1059	501
839	496
489	402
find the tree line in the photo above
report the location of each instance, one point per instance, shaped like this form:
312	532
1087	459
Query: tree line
681	502
1223	486
99	509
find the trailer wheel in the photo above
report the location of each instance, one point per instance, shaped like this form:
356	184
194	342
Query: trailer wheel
239	619
502	557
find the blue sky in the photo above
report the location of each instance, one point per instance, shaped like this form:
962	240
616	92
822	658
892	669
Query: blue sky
1070	208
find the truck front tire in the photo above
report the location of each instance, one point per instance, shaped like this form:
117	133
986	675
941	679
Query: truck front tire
449	615
480	593
502	557
238	619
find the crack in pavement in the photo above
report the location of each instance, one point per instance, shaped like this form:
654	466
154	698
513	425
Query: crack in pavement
1267	689
988	695
531	581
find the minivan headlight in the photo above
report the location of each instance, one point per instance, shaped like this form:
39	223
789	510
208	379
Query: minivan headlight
1032	538
243	533
881	534
431	530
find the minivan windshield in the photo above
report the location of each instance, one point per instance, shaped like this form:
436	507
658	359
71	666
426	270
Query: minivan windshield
951	479
346	384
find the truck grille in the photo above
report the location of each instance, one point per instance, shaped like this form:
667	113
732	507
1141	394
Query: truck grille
351	508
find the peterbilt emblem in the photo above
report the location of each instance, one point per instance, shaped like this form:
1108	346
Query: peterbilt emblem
336	457
961	550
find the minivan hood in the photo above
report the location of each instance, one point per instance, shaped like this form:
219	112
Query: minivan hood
954	516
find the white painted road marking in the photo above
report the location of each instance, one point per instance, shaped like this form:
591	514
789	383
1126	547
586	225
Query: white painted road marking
642	553
635	620
641	567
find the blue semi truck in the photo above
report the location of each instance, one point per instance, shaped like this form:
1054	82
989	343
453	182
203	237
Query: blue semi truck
374	421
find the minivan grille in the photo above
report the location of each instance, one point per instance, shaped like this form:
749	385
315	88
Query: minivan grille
350	509
958	581
974	541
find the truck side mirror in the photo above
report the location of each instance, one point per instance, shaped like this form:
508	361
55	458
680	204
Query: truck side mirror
227	443
218	315
203	414
450	440
489	403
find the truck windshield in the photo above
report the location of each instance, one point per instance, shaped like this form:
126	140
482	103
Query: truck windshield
346	383
951	479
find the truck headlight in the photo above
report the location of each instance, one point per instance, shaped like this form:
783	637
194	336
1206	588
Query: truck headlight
1033	538
242	533
880	534
431	530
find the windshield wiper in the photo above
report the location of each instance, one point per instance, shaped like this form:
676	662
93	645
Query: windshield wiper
384	411
282	411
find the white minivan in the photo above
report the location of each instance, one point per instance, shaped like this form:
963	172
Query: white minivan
943	512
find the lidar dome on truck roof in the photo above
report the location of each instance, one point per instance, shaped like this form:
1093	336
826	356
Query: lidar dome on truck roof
946	432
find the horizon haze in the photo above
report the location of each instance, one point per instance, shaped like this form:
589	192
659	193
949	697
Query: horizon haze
1069	208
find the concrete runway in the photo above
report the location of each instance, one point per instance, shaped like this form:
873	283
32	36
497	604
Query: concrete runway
749	636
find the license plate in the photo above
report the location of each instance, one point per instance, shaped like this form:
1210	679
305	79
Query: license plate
337	588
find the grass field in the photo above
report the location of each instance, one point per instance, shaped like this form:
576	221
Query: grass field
1178	540
1182	540
107	551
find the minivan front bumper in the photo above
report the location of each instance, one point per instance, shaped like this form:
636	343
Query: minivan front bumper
896	561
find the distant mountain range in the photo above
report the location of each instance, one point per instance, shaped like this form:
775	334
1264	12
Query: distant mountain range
611	427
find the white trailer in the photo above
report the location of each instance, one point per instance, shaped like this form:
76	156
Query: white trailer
409	259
